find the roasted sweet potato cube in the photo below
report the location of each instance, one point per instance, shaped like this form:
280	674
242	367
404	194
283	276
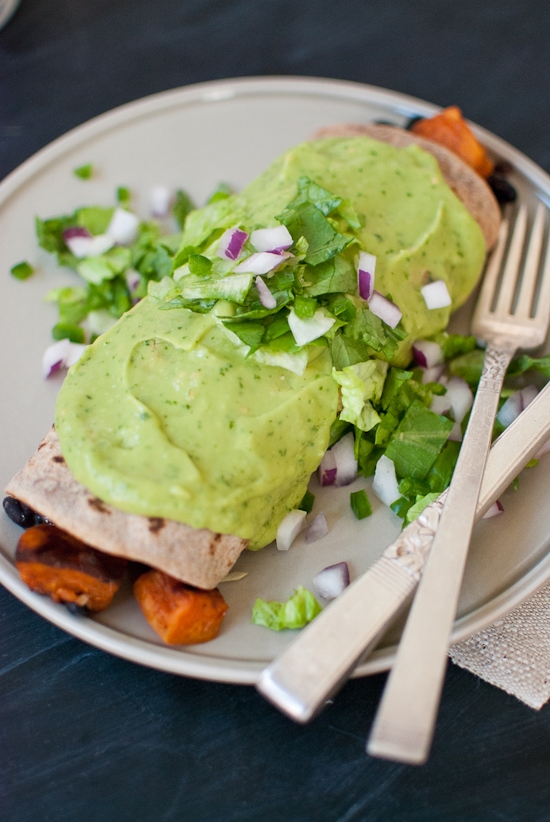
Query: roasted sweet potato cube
179	613
56	564
451	130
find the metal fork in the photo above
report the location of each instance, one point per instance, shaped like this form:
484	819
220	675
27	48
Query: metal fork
512	312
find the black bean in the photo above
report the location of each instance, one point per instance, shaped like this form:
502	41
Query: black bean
503	168
19	513
40	520
502	189
76	610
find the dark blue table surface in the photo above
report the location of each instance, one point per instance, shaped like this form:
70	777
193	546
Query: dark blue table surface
87	736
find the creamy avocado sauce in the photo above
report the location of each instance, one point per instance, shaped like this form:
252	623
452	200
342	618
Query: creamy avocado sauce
164	416
414	224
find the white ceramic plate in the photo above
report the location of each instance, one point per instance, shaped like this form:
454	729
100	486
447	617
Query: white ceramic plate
194	138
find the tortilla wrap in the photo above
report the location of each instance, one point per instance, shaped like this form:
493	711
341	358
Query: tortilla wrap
198	557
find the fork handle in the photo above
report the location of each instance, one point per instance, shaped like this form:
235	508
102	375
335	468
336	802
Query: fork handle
405	721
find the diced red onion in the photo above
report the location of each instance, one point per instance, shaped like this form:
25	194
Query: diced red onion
365	274
60	354
440	404
327	469
346	464
271	239
305	331
427	353
54	357
387	311
81	243
433	374
266	297
515	404
260	263
289	529
124	226
160	198
332	580
385	481
132	279
317	529
231	243
436	295
495	509
461	397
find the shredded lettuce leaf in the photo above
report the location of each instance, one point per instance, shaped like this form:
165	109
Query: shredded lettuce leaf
296	612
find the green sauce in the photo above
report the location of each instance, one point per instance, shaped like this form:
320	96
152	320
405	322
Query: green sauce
164	416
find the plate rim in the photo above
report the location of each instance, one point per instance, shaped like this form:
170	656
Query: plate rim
175	659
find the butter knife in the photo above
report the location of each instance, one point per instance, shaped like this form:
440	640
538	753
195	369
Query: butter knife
318	662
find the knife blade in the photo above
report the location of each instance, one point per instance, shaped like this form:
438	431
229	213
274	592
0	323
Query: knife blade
318	662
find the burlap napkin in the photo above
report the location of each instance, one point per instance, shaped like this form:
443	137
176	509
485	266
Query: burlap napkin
514	652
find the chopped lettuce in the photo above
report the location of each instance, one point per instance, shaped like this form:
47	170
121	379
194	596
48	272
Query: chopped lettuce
361	384
296	612
417	441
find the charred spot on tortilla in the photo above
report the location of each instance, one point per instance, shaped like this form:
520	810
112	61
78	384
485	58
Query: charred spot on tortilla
94	502
156	523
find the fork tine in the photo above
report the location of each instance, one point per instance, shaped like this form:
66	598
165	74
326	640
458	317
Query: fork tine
531	267
490	278
543	307
509	277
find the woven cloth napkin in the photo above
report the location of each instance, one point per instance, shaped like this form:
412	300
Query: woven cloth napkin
514	652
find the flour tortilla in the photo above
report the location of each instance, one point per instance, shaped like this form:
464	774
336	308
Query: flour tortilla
198	557
467	184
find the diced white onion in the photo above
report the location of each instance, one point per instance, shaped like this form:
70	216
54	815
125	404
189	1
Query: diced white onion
440	404
515	404
75	352
385	481
289	529
436	295
461	397
346	464
305	331
456	433
387	311
317	529
124	226
266	297
332	581
433	374
260	263
427	353
160	199
271	239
